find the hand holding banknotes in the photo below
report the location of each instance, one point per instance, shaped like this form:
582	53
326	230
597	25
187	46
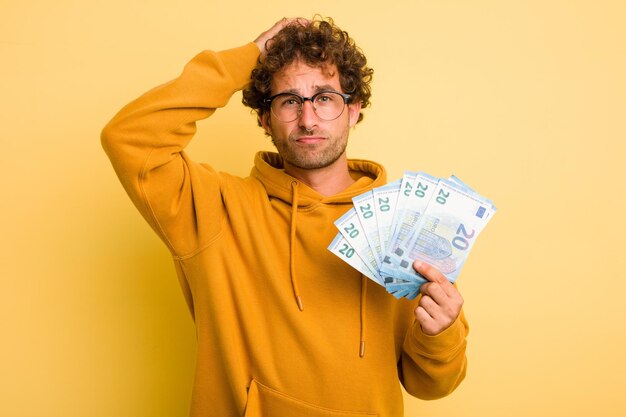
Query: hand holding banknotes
441	302
420	217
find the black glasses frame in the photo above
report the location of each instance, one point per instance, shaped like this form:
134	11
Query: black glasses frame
346	98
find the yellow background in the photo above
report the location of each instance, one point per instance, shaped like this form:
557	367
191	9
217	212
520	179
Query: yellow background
524	100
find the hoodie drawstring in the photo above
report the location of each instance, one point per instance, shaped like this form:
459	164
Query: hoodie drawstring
362	313
294	280
292	245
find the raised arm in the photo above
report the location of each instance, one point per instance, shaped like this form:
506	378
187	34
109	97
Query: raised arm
145	143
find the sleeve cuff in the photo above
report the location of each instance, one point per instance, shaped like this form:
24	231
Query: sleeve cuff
240	62
440	345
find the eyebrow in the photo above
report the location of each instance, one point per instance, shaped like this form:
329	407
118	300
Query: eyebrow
318	88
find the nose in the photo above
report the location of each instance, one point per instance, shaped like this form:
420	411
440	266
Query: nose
308	118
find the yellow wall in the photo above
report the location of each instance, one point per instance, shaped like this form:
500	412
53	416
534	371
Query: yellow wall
525	100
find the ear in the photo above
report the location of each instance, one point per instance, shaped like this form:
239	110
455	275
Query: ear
354	110
264	120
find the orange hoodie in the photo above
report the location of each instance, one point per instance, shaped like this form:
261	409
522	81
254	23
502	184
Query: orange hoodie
284	327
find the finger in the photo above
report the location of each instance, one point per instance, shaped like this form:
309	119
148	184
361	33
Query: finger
303	21
423	317
427	323
262	39
428	271
442	293
435	291
430	305
286	21
432	274
440	305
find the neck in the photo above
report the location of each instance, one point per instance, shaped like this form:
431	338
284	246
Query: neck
327	181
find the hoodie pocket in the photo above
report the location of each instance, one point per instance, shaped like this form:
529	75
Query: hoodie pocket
267	402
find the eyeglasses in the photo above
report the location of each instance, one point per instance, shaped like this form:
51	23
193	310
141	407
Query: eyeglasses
327	105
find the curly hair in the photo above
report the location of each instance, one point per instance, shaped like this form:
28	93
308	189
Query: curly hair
318	44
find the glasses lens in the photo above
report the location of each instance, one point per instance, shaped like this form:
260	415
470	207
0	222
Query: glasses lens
286	107
328	105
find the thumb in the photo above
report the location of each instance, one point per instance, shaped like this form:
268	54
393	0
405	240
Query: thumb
429	272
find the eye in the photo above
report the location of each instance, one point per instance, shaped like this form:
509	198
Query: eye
288	101
326	98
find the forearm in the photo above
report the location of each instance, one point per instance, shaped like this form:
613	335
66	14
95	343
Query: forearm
433	366
152	130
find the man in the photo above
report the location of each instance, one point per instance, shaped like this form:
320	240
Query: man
284	327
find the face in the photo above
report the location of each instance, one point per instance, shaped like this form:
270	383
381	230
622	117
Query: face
309	142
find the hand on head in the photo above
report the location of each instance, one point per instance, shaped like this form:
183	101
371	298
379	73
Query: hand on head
262	39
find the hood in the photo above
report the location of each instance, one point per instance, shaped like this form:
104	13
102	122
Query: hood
269	169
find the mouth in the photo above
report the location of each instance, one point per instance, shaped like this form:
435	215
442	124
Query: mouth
310	139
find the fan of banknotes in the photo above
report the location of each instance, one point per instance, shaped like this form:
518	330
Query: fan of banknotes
435	220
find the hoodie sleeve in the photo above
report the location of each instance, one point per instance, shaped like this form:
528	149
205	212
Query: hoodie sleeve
145	143
433	366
